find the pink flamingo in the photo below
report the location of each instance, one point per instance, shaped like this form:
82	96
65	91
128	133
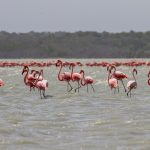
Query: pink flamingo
88	80
42	85
112	82
119	75
29	78
65	76
76	76
1	83
132	84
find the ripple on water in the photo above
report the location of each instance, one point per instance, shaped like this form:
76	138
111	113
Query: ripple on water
64	121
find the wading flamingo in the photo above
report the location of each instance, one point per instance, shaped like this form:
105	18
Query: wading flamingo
87	80
76	77
119	75
65	76
112	82
29	78
42	85
132	84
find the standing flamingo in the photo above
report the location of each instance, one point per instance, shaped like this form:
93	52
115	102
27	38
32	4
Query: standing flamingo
132	84
42	85
65	76
29	78
88	80
119	75
112	82
76	76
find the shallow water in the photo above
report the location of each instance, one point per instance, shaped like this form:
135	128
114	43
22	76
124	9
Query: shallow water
77	121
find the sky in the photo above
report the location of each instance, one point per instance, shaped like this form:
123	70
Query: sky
74	15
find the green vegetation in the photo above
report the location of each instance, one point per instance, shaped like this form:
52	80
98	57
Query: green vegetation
76	45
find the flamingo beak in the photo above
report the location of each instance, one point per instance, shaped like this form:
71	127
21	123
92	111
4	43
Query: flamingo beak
57	64
136	72
107	68
23	72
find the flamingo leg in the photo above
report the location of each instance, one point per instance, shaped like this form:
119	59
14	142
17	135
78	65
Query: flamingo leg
67	86
87	88
123	85
129	92
114	90
44	93
40	93
70	87
118	89
93	88
79	86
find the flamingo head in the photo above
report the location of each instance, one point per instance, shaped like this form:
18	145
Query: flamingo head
72	65
25	69
113	67
134	70
108	67
37	74
58	62
79	63
81	71
33	72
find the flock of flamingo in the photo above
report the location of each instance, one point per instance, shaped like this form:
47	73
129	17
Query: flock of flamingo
132	63
35	79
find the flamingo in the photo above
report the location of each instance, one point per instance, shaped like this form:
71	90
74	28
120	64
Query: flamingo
29	78
119	75
132	84
76	76
65	76
42	85
88	80
1	83
112	82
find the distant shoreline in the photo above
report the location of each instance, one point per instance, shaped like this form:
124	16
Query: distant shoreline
75	45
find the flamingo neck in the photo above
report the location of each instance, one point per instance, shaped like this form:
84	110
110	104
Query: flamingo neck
37	79
108	76
26	77
41	74
133	73
83	78
148	74
72	72
59	74
148	81
113	67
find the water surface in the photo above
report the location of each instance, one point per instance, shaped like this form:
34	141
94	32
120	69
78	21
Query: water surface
77	121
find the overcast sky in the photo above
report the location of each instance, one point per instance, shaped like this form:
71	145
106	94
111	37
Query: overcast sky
74	15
